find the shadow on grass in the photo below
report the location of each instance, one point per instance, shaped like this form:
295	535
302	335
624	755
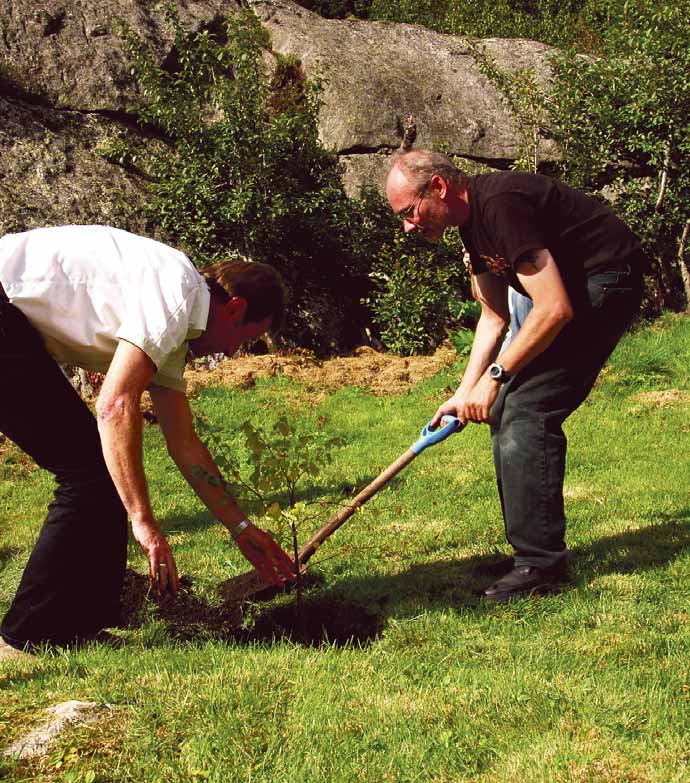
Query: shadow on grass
637	550
460	582
6	554
336	617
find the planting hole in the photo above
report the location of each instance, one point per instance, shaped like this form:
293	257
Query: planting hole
322	621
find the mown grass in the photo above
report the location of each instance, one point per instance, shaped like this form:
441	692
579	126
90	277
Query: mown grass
589	685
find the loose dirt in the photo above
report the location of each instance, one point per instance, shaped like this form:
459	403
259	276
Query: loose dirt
366	368
188	617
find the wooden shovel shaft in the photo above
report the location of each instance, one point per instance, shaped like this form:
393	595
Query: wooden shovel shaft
240	588
357	502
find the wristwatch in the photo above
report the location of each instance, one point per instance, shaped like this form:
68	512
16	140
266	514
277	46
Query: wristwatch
240	528
497	372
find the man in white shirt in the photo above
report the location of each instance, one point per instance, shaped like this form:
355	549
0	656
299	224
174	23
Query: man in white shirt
107	300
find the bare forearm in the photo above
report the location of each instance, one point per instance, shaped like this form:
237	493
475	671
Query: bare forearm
195	455
188	452
120	428
487	341
538	331
551	309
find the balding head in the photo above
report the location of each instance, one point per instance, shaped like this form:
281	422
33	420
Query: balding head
419	166
427	192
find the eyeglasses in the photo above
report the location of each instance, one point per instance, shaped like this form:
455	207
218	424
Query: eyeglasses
407	213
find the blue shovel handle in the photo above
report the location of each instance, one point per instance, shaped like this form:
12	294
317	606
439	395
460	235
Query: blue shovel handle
429	437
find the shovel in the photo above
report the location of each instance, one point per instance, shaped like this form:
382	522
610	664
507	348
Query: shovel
244	586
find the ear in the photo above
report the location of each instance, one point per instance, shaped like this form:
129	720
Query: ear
234	310
439	186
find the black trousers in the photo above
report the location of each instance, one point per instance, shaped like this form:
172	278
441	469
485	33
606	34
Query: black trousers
528	440
71	585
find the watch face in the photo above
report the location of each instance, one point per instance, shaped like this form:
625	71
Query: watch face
498	373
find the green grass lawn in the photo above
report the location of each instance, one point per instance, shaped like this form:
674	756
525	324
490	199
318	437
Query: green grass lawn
589	685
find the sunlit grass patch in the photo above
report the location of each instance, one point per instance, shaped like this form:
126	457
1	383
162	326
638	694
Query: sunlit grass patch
592	684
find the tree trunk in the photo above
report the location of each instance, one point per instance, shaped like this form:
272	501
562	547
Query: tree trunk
664	180
684	271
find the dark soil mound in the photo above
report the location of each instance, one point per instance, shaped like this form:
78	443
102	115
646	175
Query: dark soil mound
188	617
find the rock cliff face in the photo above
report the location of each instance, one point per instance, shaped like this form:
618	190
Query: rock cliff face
375	74
65	89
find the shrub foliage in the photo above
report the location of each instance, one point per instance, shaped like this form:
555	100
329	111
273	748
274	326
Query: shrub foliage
551	21
624	123
242	172
417	294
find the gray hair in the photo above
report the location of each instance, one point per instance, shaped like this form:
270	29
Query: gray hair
419	166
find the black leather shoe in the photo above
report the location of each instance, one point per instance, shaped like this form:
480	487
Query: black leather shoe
528	580
496	568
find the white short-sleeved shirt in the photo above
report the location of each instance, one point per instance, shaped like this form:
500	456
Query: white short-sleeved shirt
84	288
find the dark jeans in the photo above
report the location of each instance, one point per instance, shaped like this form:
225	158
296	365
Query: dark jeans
71	585
528	441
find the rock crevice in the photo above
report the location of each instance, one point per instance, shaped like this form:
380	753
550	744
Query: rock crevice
66	89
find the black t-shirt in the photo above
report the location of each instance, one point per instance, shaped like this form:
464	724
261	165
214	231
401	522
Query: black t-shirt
511	213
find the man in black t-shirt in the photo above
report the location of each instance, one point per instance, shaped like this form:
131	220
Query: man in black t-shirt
581	267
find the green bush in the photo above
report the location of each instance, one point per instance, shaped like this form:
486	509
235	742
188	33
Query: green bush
335	9
624	123
242	172
418	290
550	21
